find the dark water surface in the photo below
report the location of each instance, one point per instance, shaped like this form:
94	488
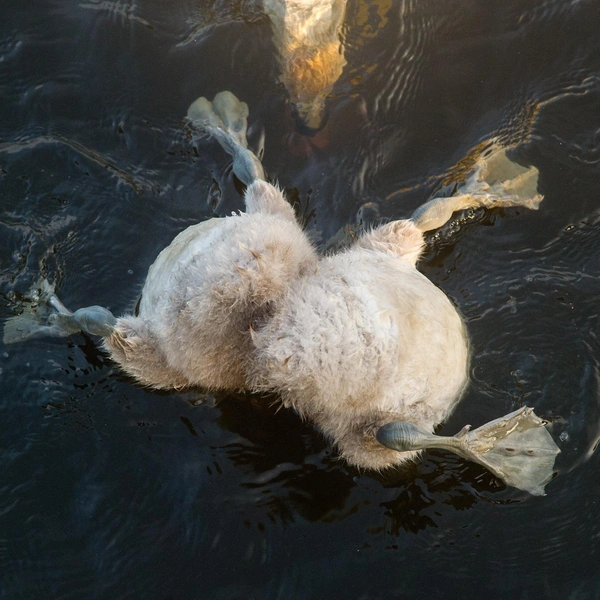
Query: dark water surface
110	491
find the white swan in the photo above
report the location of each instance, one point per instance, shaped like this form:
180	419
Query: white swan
360	343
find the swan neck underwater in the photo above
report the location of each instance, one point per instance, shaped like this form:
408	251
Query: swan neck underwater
359	343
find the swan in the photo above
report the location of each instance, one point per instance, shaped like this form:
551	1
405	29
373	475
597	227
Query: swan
360	343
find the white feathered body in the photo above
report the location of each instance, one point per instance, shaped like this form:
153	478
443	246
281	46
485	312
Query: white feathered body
365	340
350	341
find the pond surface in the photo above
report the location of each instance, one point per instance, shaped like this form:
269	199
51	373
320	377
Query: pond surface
108	490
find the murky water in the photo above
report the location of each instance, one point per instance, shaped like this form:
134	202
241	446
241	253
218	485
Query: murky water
108	490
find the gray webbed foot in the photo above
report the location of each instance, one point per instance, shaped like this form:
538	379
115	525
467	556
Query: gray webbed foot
45	315
496	181
226	119
517	448
234	115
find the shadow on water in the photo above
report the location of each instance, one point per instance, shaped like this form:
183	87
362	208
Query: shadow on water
294	471
108	490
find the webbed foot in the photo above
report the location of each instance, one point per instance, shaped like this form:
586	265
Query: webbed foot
43	314
495	181
517	448
226	119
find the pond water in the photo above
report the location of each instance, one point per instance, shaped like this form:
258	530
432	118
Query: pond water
108	490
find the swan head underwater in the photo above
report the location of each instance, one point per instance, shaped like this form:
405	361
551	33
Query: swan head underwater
307	35
360	343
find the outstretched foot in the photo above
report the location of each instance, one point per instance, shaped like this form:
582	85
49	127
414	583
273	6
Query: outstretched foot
45	315
496	181
517	448
226	119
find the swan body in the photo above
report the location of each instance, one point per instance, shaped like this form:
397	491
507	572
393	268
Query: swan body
351	341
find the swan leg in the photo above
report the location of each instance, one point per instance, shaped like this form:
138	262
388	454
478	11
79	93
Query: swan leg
43	314
517	448
226	119
496	181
